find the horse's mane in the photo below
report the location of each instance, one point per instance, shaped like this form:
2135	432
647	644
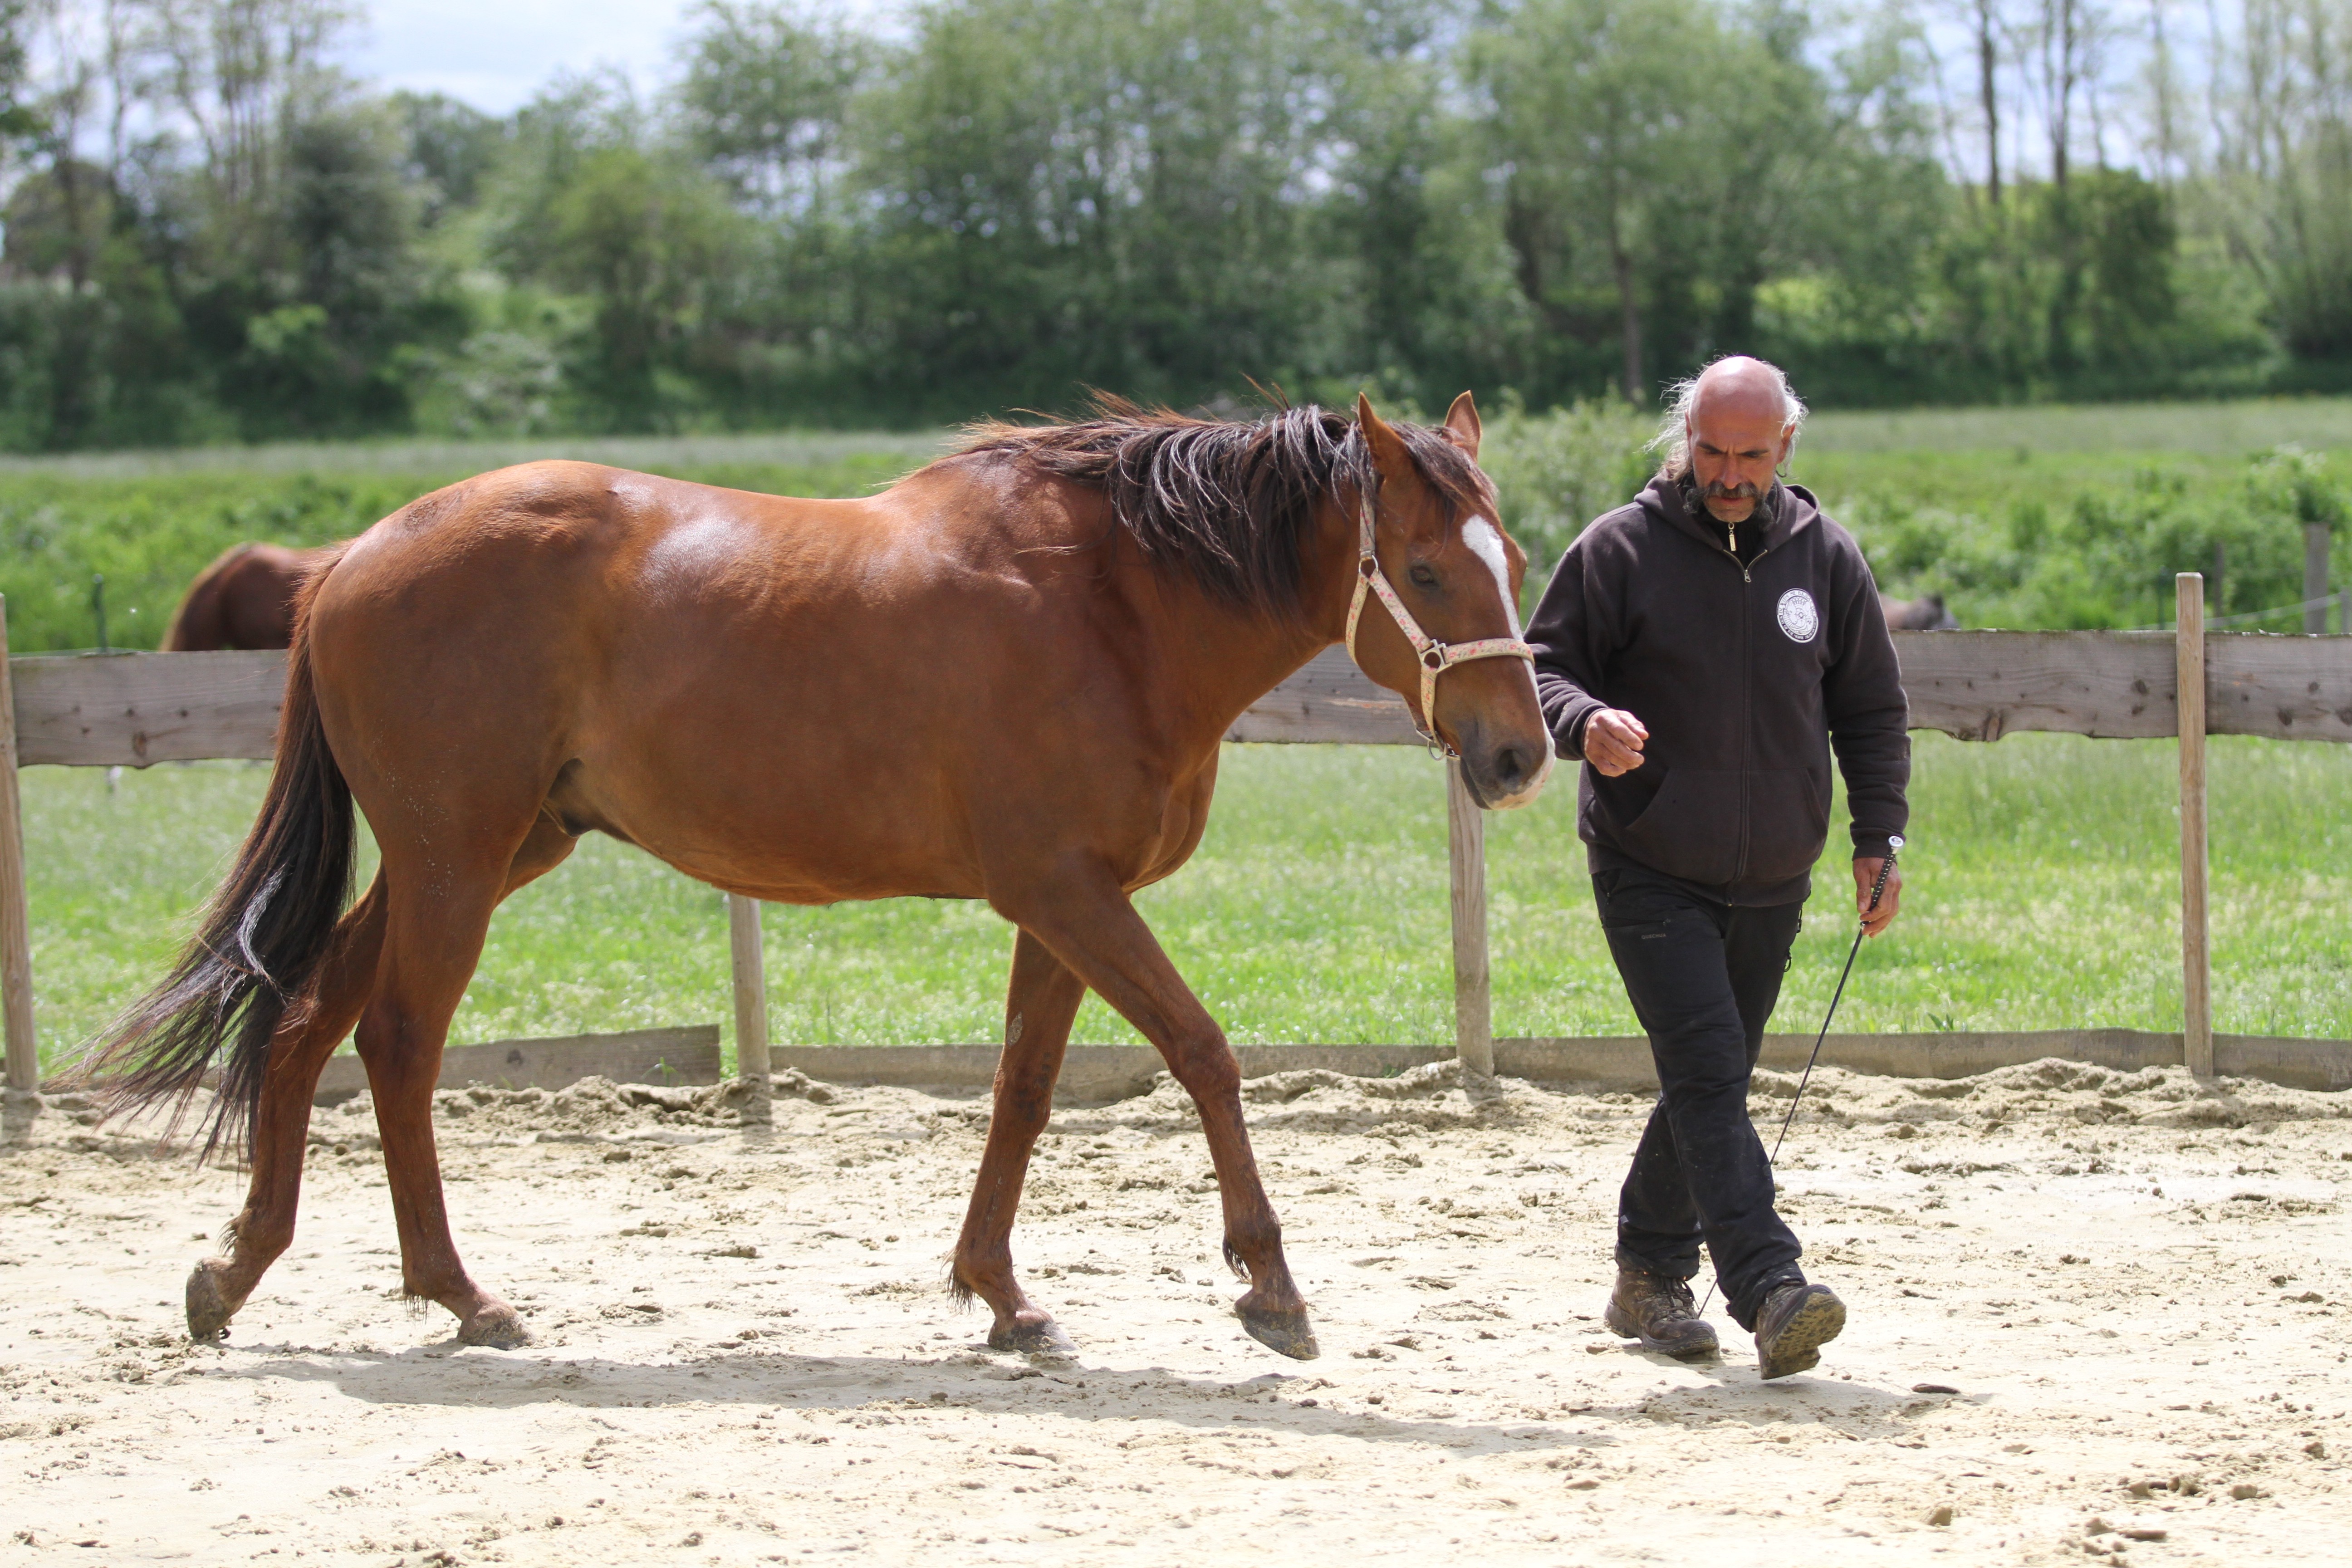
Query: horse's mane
1229	503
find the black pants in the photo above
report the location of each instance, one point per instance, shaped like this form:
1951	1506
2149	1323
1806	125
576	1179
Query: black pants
1702	977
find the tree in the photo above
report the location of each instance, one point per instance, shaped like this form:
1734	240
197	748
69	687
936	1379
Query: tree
452	148
17	118
1430	302
244	74
1600	136
765	99
2282	107
591	201
1076	192
1987	49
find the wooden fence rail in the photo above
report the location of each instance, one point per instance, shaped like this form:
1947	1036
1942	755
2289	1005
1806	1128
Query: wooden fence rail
1976	686
137	709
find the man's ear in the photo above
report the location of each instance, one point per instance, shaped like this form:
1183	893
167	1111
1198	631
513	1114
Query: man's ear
1462	425
1387	447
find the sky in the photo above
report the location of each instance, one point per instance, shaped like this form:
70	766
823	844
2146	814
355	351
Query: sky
495	54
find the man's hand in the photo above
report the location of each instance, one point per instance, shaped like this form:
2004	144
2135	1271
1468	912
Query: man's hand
1866	872
1612	741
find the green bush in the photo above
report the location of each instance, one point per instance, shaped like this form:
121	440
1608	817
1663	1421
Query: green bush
2037	544
1558	471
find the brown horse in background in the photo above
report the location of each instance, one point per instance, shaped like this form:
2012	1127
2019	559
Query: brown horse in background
1925	614
1006	677
244	599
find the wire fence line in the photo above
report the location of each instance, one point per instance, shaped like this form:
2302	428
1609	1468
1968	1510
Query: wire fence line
2249	617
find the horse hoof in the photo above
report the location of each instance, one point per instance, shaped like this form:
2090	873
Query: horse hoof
1289	1333
209	1307
497	1326
1042	1338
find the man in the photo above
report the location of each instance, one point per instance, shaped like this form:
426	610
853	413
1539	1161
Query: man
1704	649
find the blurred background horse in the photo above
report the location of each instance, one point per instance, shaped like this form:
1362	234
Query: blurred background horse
1925	614
245	599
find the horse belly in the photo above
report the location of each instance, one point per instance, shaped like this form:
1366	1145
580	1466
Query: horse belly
794	803
787	846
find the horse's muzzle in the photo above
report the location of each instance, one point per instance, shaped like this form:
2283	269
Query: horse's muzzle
1507	776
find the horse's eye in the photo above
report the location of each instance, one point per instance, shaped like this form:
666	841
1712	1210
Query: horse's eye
1422	578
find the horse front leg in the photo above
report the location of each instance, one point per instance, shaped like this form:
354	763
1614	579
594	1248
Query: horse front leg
1041	1002
1091	926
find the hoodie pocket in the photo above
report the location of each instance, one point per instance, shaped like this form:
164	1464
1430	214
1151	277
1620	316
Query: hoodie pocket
1790	812
1691	829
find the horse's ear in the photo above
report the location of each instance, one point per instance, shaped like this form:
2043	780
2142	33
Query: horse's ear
1462	425
1387	447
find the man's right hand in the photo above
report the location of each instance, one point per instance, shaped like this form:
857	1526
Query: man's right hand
1612	741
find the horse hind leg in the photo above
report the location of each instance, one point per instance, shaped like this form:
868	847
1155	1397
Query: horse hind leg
431	947
1041	1002
307	1037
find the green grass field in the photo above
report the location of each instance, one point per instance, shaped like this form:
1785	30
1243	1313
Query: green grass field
2210	429
2043	879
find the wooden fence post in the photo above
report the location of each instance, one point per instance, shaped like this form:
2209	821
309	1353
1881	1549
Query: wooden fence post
2315	577
748	966
2196	938
1465	855
15	916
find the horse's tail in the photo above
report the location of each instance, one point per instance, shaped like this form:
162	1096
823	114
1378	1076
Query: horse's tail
259	942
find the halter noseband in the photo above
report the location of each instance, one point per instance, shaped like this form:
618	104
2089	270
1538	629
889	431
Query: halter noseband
1433	656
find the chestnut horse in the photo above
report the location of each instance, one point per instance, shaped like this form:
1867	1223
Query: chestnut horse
1005	678
245	599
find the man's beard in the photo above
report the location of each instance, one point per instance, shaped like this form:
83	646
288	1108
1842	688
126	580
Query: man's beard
1701	494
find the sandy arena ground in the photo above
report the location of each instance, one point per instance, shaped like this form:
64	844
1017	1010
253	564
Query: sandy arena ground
2094	1316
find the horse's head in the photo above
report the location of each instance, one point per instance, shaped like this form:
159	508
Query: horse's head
1437	596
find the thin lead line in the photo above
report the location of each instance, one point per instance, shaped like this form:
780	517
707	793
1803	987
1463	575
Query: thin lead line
1835	998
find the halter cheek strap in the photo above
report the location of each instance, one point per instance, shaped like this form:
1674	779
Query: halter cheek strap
1433	656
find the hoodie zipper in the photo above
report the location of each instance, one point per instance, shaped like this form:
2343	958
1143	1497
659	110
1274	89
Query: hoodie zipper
1747	703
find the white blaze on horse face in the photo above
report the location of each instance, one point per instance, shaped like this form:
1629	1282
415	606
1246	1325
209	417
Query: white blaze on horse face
1485	541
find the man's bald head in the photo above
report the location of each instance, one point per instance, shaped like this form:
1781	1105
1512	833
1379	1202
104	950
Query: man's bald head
1727	430
1741	388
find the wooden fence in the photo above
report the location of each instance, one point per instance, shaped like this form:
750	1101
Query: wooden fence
133	710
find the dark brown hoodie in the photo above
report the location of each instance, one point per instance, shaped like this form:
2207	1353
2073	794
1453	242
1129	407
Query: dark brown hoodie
1746	676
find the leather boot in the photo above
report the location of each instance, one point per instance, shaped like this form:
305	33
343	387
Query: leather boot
1796	1322
1659	1313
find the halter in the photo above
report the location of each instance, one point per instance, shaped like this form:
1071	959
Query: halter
1433	656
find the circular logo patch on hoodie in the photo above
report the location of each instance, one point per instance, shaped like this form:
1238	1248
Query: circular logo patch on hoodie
1799	620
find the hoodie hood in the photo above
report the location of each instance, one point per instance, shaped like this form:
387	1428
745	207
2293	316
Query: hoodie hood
1791	509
